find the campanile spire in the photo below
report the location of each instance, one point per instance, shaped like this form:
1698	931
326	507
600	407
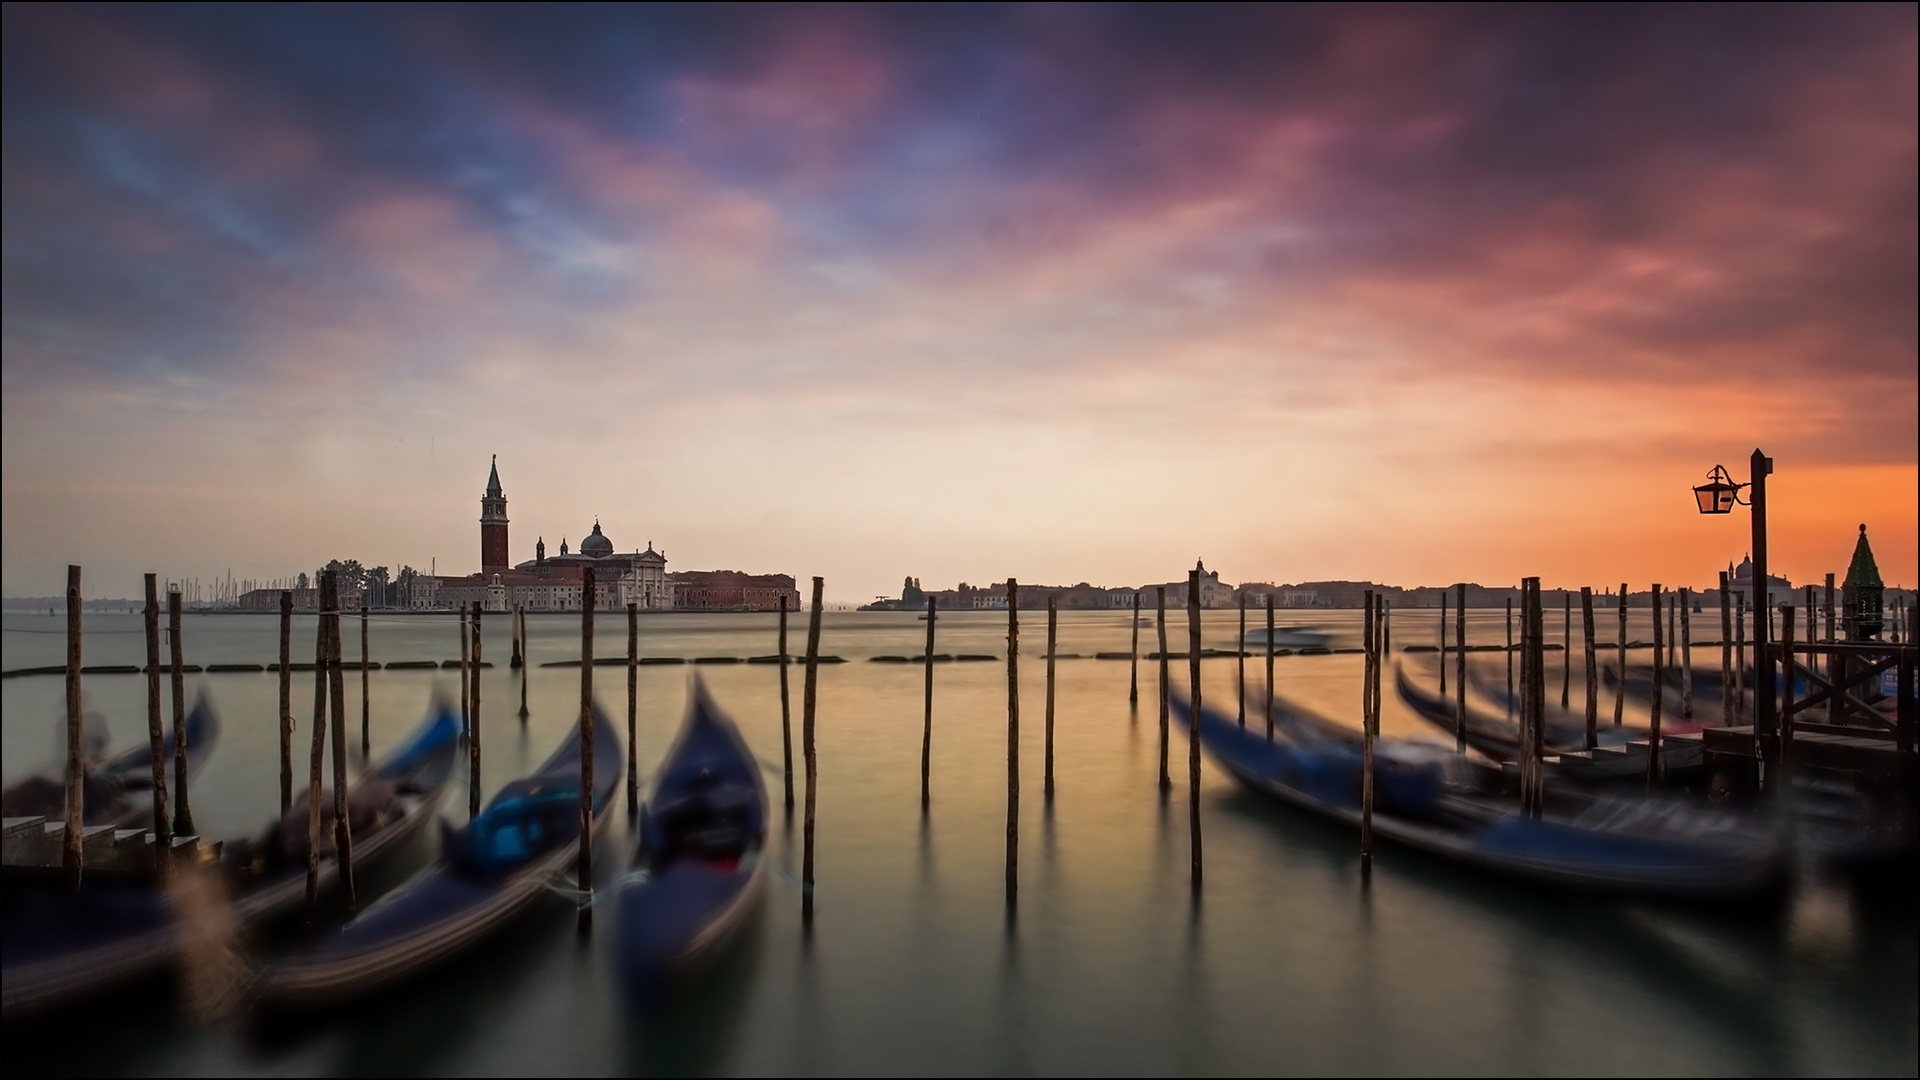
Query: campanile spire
493	523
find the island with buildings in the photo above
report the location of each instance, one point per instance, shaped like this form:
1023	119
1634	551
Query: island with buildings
546	582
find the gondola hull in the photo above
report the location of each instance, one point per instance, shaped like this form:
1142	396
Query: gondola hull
464	898
700	861
1421	803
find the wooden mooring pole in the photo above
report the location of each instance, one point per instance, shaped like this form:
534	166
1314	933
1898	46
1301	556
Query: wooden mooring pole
809	701
1270	667
286	700
1160	627
316	760
1443	642
466	684
1566	648
1685	643
1620	687
366	698
518	658
1658	696
1133	665
1013	741
1240	654
337	687
1053	621
583	863
1510	698
72	855
1593	666
157	737
473	714
786	713
1739	653
1459	668
526	669
182	811
633	709
1193	725
926	723
1536	693
1370	640
1726	655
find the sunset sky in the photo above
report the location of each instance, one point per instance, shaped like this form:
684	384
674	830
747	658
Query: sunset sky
1414	295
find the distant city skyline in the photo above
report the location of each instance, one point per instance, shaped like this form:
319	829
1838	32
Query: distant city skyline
1056	293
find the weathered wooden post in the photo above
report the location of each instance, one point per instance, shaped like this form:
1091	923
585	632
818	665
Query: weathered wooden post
286	700
1740	653
1593	666
1013	741
1160	627
786	713
1509	656
1053	619
1133	666
1686	653
470	622
1459	669
1659	693
1726	654
1193	725
518	658
1787	672
1525	745
1370	639
1620	688
366	699
72	855
1828	609
809	700
583	868
1270	667
633	709
1566	648
466	675
317	759
1443	642
526	668
1240	657
157	737
336	684
1386	630
1536	662
926	723
182	812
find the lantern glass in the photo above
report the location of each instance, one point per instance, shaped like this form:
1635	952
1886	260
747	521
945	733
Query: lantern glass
1715	498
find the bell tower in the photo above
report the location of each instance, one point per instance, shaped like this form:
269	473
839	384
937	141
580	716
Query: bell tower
493	524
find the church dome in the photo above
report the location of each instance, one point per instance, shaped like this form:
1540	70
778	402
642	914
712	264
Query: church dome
596	544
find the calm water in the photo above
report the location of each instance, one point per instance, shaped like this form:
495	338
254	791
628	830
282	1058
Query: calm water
1109	965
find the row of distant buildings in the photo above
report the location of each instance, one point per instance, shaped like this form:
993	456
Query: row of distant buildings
1215	593
557	582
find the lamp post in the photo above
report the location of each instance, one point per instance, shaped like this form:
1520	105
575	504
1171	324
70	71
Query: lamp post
1719	495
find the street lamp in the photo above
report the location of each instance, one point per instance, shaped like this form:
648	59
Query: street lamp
1719	495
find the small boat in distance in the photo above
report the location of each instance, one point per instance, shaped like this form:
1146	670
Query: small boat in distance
1290	637
699	864
488	872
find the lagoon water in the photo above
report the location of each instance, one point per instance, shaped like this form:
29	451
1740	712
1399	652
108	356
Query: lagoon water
1284	964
